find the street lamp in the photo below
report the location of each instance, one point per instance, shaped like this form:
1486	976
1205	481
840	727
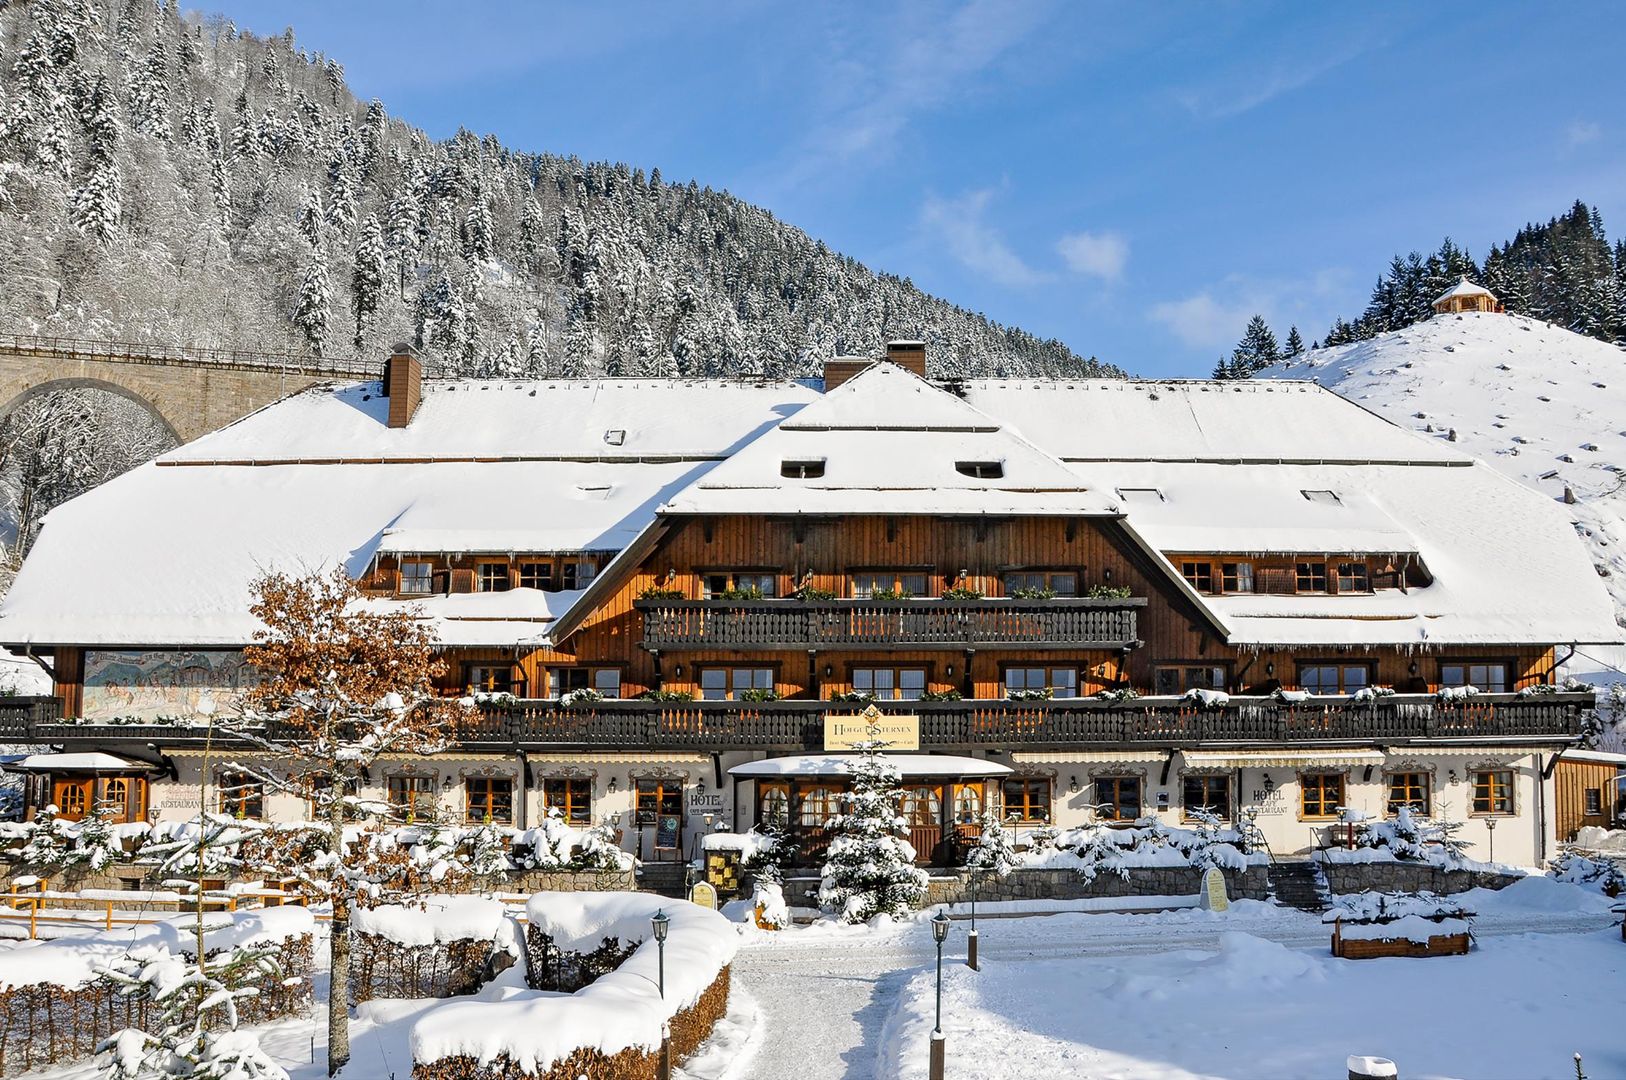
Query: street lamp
971	938
1490	826
940	929
661	923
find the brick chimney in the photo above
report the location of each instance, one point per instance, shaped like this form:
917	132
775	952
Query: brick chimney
403	384
910	355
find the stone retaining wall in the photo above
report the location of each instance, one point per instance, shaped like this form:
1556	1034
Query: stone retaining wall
145	877
1409	877
1064	884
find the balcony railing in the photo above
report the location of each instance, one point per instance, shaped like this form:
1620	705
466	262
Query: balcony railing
872	624
1418	719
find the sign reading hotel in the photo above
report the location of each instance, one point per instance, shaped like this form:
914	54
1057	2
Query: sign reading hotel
846	732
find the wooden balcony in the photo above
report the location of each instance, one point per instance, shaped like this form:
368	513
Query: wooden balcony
788	625
1163	722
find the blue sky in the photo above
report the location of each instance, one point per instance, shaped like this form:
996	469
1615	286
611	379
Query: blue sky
1135	179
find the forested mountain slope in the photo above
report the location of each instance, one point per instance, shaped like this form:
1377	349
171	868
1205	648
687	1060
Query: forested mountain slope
168	178
1544	405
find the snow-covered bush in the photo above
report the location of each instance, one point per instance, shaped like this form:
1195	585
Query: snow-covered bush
994	851
768	904
1122	693
585	695
556	845
1451	695
1368	694
1093	849
1410	837
1206	699
870	867
1605	875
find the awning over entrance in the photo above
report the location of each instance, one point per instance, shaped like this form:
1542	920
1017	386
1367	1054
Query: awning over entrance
88	762
1266	759
908	765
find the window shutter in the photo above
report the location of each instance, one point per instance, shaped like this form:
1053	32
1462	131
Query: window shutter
462	581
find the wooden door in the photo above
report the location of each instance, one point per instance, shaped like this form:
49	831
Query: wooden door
923	814
72	796
816	804
965	809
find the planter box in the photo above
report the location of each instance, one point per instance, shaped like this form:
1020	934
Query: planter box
1370	948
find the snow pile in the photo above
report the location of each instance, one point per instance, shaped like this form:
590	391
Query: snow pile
1246	962
1593	838
1091	849
438	920
75	962
750	845
1540	894
620	1010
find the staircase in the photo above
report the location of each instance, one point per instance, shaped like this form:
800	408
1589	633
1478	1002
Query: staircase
1299	885
665	878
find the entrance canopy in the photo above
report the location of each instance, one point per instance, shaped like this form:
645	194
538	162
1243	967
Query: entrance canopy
88	762
908	765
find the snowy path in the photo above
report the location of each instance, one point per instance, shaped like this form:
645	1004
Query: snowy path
827	998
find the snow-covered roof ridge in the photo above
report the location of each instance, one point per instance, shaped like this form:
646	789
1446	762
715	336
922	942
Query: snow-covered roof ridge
1464	287
888	441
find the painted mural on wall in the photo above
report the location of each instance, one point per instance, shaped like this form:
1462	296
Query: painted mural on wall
161	684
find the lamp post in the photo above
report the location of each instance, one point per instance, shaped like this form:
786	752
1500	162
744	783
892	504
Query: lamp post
661	923
971	938
940	929
1490	827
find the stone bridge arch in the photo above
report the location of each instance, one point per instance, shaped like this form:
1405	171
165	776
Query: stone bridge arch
191	391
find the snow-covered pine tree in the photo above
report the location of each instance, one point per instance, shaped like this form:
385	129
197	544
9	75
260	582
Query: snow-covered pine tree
870	869
367	276
313	307
1294	344
97	202
1256	351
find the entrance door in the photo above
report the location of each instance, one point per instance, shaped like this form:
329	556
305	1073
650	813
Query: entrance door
923	814
966	808
72	797
816	804
659	816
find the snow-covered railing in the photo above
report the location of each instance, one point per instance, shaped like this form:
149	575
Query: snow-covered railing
799	724
1063	623
138	352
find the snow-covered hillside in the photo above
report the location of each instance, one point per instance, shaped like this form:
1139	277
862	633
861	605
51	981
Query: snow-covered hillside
1541	404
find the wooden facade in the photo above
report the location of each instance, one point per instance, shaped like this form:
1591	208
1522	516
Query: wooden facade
1586	793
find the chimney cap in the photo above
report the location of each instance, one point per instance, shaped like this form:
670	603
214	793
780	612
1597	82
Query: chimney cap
403	348
906	343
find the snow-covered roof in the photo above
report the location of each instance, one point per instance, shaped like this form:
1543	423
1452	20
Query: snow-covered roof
1233	421
842	765
1464	287
1505	563
1595	757
888	441
194	537
580	419
85	762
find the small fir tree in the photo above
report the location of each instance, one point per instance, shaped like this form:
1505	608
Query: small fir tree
870	867
1294	344
313	307
994	851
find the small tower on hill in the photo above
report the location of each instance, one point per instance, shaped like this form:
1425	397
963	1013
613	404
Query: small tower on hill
1466	296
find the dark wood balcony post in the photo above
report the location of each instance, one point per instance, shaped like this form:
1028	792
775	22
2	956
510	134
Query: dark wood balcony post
968	688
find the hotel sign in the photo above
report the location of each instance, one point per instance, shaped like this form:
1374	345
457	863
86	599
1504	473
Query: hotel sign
845	732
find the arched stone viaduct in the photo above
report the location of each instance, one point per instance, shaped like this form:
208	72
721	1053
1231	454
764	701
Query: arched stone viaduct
193	391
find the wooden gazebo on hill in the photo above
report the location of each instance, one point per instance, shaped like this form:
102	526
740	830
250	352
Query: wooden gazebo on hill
1466	296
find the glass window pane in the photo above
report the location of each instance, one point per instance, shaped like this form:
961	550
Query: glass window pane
607	681
1064	681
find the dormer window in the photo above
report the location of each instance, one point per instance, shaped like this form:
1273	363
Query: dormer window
417	578
801	468
980	470
1140	495
1326	498
491	576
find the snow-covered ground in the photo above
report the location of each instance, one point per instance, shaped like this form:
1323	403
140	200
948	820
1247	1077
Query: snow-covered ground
1247	993
1538	403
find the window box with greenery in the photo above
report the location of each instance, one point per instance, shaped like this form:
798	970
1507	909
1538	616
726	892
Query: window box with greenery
942	695
963	592
666	695
662	592
1110	592
852	697
814	594
758	694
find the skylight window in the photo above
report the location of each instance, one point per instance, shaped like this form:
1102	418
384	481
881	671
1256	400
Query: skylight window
615	436
1141	495
1326	498
980	470
801	468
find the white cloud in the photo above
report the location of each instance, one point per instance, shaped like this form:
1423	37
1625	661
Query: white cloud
958	224
1102	255
1258	84
1214	316
1579	132
1202	321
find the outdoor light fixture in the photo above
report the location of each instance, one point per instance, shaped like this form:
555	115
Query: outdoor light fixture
1411	669
1270	785
828	671
699	787
1451	777
1490	826
1072	785
940	929
1270	668
661	922
614	783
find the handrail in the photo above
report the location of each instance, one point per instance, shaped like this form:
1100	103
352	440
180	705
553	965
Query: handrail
136	352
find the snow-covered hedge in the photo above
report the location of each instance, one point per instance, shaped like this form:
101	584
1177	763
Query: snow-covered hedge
1409	837
1092	849
442	946
63	987
509	1030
